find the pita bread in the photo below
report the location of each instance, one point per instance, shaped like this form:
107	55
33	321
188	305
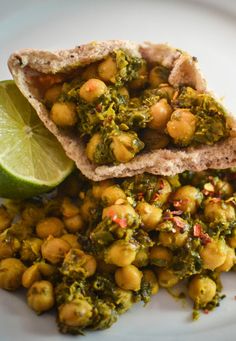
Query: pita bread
27	65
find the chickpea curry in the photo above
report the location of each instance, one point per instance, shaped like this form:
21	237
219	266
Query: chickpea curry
121	106
93	249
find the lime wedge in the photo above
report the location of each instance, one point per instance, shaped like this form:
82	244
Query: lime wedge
31	159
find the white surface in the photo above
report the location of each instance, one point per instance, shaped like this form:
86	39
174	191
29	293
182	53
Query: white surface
207	29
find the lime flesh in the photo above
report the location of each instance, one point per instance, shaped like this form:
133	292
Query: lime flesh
31	159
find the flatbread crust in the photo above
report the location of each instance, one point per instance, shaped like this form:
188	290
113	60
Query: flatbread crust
26	64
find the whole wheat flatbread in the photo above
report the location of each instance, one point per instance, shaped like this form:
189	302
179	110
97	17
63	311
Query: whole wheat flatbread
26	64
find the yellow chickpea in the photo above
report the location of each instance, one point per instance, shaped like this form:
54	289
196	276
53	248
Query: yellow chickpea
92	90
99	187
181	126
74	224
160	256
201	290
40	296
11	272
31	275
54	249
107	70
160	113
187	199
30	249
8	248
77	313
46	270
224	188
141	258
150	278
50	226
141	79
5	219
173	239
150	215
124	146
229	261
92	145
32	214
91	71
213	254
219	211
87	209
157	76
111	194
128	278
121	253
68	208
166	91
52	94
123	91
64	114
71	239
167	278
124	211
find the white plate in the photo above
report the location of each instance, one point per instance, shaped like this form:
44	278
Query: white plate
207	29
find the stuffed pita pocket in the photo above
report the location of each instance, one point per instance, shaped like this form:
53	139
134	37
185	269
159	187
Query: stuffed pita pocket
120	108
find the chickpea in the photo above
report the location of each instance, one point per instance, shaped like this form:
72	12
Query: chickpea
154	140
92	145
187	199
213	254
99	187
11	271
141	79
181	126
50	226
74	224
219	211
163	191
167	278
128	278
201	290
166	91
150	215
173	239
124	146
160	256
157	76
224	188
77	263
87	209
71	239
141	258
46	270
229	261
123	299
5	219
107	70
160	113
52	94
232	239
32	214
77	313
91	71
8	248
40	296
54	249
31	275
112	194
123	92
150	278
68	208
120	253
30	249
64	114
92	90
124	211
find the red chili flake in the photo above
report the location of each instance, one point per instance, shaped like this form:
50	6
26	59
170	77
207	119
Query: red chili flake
198	232
140	196
176	212
179	203
99	107
215	200
156	197
161	184
179	222
206	311
122	222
